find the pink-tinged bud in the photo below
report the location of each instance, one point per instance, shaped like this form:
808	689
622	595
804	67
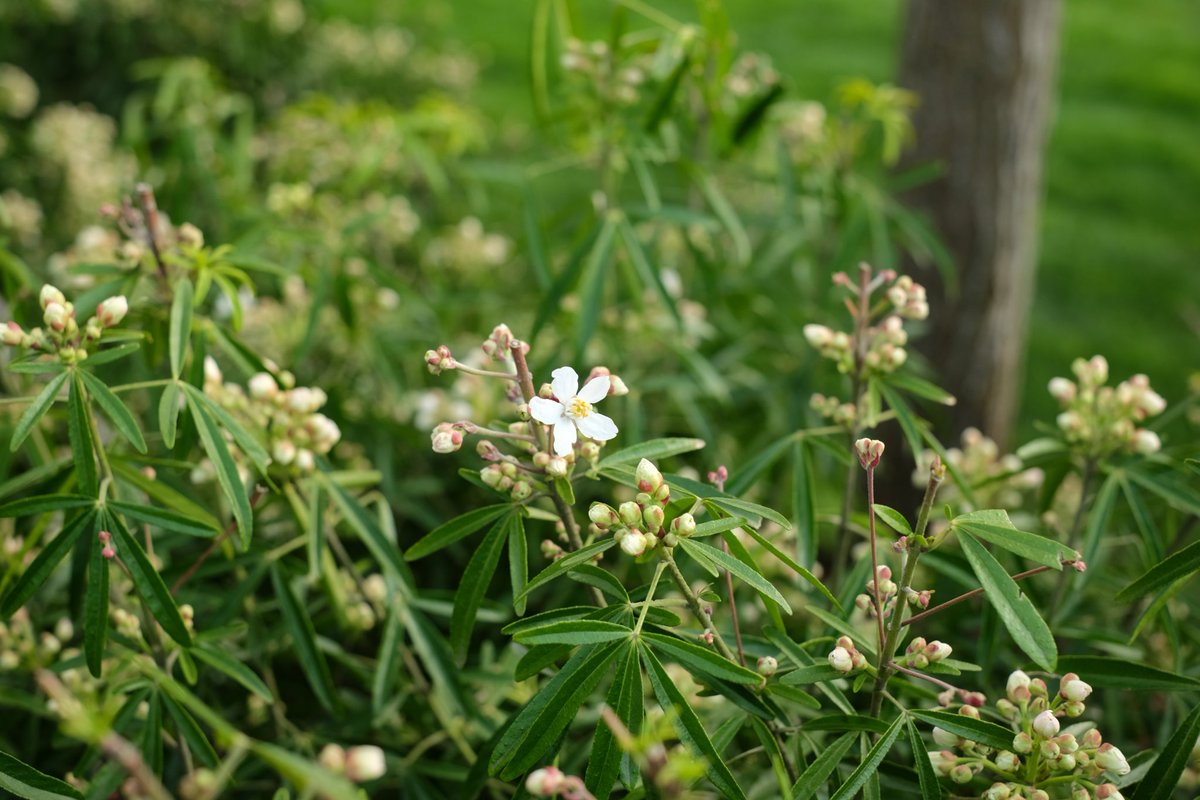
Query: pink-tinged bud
969	711
263	387
11	334
869	451
1112	759
862	602
1045	725
634	543
684	525
1006	708
1023	743
603	515
1037	688
938	651
916	645
997	791
550	550
653	519
1099	369
1039	794
943	761
630	513
975	699
846	642
947	697
446	438
1050	749
767	666
961	774
544	782
104	536
648	477
945	738
365	763
1152	403
819	336
1007	761
1062	390
884	572
1080	565
1065	763
1073	689
110	312
841	660
439	359
1146	442
1092	738
707	636
333	758
923	598
1108	791
56	316
1067	743
51	294
108	551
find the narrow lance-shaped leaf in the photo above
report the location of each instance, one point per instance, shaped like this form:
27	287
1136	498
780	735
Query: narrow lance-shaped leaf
245	440
688	726
181	324
474	584
518	561
815	775
451	531
79	433
40	405
701	659
930	788
226	469
564	565
977	730
222	661
114	409
1023	621
168	414
994	526
39	571
739	570
625	698
574	632
387	664
804	503
95	606
1163	776
147	581
165	519
871	763
304	641
1117	673
652	450
26	782
1176	566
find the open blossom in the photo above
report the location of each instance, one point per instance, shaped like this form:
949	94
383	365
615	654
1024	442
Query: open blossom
573	412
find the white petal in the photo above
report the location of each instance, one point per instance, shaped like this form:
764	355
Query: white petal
564	436
597	426
595	390
546	411
565	383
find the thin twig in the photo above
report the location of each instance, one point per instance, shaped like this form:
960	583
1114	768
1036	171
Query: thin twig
976	592
255	497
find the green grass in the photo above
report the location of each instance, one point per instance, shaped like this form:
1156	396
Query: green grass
1119	269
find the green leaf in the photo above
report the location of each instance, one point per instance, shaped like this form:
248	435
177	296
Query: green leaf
79	434
812	579
36	410
25	781
653	450
162	518
804	502
160	491
39	571
977	730
474	584
111	354
1026	626
715	526
95	607
919	387
148	582
537	727
847	722
563	488
737	568
893	519
735	506
567	563
558	614
369	531
168	414
387	664
1180	564
309	778
688	726
1117	673
774	755
625	697
222	661
114	409
574	632
815	775
602	579
44	503
993	525
794	695
1177	494
647	273
814	673
304	641
871	763
703	660
518	561
180	325
930	788
451	531
202	748
225	468
245	441
1163	775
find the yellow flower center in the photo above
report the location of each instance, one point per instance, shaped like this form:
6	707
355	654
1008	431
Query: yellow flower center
579	408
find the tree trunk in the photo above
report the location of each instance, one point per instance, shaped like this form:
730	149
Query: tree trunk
984	71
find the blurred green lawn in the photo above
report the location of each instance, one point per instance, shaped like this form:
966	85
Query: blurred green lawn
1119	269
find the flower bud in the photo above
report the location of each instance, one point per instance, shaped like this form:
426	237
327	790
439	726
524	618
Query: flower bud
332	758
365	763
997	791
1074	709
943	761
603	516
1092	738
1037	687
684	525
653	519
938	651
1062	390
263	387
1146	442
969	711
634	543
1045	725
945	738
841	660
630	513
662	495
108	551
1112	759
522	490
869	451
961	774
616	386
56	316
1008	761
767	666
557	467
1066	762
1073	689
1050	749
544	782
110	312
1039	794
446	438
11	334
819	336
1108	791
1023	743
648	477
51	294
550	550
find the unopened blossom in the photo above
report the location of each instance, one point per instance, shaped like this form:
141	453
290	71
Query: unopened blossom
544	782
840	659
365	763
767	666
634	543
1112	759
573	412
1108	791
110	312
1073	689
1045	725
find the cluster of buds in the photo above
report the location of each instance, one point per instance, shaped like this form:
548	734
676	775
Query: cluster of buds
287	414
1042	753
640	524
107	550
21	644
999	480
507	477
467	247
920	654
62	334
869	452
1102	419
553	782
498	346
845	658
593	61
149	234
876	344
360	764
834	410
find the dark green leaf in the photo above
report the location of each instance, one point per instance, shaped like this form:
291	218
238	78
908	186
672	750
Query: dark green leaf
181	325
574	632
1177	494
625	697
794	695
36	409
977	730
202	749
815	775
95	607
602	579
162	518
910	425
148	582
1023	621
737	568
44	503
847	722
735	506
1180	564
111	354
563	488
654	449
546	617
45	562
567	563
245	441
539	658
919	387
815	673
163	493
1117	673
474	584
812	579
25	781
1163	775
871	763
304	641
930	788
893	519
114	409
79	434
993	525
518	561
369	531
387	664
222	661
168	414
688	727
450	532
701	659
804	502
225	468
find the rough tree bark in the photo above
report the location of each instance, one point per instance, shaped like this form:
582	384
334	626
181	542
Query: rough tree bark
984	71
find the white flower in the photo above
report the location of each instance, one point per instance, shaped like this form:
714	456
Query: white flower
573	413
